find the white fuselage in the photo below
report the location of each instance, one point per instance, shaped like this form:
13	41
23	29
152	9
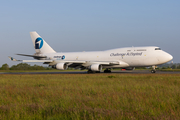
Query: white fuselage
94	61
127	57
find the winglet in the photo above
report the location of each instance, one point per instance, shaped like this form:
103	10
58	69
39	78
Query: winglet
13	59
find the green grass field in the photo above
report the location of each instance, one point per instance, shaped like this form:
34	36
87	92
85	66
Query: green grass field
54	70
90	96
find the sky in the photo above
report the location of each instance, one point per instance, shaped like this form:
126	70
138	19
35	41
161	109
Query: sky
88	25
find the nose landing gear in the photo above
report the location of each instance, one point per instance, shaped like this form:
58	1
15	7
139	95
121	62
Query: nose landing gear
153	69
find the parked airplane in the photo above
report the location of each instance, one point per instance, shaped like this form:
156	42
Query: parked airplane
127	58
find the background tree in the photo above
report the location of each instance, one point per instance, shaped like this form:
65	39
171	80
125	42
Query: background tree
25	66
5	67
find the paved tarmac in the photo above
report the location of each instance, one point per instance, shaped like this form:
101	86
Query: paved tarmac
85	72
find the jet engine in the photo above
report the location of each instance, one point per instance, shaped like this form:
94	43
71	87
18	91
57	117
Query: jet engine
61	66
96	67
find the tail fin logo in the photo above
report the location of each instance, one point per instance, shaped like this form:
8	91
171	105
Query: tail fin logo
38	43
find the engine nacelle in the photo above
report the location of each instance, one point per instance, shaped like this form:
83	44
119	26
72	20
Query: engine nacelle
96	67
61	66
129	68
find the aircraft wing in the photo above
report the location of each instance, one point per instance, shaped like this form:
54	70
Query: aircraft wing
75	63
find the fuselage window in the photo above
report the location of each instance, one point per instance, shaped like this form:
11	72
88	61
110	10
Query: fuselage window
157	48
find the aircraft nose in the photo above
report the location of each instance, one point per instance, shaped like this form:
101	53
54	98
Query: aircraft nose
168	57
164	57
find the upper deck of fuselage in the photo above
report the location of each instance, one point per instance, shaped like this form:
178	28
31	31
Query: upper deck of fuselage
125	49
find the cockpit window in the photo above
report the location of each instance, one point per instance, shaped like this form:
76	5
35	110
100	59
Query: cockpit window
157	48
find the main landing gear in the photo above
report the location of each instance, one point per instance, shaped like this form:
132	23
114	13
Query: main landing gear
107	71
153	69
90	71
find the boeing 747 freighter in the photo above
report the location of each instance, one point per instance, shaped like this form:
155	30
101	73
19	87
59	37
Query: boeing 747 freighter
127	58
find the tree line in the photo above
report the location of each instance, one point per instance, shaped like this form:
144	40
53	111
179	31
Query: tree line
23	66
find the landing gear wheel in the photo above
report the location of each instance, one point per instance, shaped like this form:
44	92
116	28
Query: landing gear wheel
98	72
153	71
90	71
107	71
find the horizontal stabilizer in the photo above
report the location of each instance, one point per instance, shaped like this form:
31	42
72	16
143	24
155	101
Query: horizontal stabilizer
44	61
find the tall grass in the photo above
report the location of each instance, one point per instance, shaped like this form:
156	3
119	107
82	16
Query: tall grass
90	96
